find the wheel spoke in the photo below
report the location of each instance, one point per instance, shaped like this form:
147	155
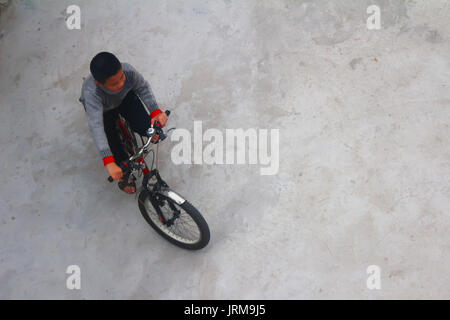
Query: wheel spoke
178	229
183	225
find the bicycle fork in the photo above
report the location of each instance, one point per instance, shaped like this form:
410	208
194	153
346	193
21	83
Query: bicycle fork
161	189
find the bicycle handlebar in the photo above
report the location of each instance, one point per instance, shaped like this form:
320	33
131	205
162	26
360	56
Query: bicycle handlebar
155	129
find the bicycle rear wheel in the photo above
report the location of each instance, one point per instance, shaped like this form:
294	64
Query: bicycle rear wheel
185	227
126	136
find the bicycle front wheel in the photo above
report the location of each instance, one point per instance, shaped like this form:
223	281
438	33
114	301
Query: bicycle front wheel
184	226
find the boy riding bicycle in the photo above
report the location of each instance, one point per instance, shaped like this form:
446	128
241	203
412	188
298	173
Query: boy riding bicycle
112	88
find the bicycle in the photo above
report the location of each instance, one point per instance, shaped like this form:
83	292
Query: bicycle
160	206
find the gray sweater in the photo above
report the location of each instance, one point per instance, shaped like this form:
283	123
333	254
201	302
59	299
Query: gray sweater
97	100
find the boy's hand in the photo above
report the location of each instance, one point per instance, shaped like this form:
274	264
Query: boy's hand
162	119
114	170
155	138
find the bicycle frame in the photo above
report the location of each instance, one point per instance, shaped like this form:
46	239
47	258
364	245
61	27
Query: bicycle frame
139	160
160	188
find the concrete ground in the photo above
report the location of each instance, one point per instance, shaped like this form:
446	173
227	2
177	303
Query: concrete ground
364	170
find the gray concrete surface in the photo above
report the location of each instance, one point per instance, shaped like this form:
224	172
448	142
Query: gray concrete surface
365	148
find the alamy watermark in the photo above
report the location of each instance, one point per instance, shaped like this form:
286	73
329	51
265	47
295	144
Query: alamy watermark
74	280
73	21
231	150
374	20
374	279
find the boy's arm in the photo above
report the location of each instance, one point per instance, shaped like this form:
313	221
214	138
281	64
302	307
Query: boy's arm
142	88
94	111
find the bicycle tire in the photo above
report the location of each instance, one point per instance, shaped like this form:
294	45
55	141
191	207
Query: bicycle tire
191	211
128	146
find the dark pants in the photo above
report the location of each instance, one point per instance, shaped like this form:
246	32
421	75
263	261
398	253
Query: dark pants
137	116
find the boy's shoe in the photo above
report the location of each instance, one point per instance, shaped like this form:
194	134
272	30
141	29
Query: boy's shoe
127	184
